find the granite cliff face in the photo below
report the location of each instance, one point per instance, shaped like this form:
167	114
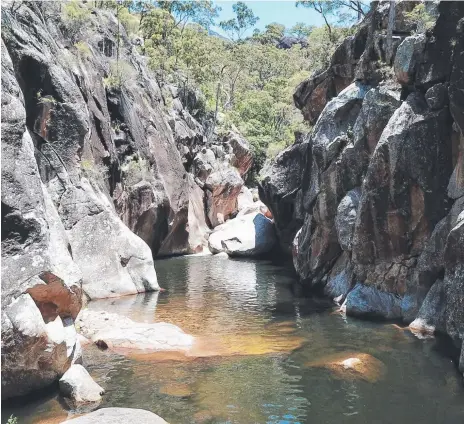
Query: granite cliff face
102	169
373	197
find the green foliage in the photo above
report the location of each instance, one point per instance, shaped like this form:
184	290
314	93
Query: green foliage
273	33
120	74
301	30
136	169
12	420
244	20
83	49
246	84
128	21
41	99
76	17
94	171
202	12
322	44
424	20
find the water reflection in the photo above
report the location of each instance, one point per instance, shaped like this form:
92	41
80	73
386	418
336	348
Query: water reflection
267	355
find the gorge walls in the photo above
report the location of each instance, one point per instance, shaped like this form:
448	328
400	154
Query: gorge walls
371	201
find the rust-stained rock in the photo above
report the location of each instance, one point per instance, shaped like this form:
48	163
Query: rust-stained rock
223	187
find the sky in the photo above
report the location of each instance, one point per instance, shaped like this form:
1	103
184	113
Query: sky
280	11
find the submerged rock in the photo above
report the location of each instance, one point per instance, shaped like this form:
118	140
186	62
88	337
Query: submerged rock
369	302
78	385
247	235
117	416
120	333
353	366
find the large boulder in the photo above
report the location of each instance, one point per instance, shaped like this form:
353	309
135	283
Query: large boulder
117	416
280	190
36	351
120	333
246	235
243	158
324	182
77	385
407	58
113	260
340	279
222	189
197	228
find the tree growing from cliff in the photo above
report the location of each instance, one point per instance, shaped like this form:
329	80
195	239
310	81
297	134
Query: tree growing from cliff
244	20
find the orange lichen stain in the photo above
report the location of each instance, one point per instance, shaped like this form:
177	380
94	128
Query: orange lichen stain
352	366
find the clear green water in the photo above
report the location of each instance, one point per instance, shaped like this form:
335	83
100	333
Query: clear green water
274	364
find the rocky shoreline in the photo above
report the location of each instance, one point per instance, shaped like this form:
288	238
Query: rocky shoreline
98	180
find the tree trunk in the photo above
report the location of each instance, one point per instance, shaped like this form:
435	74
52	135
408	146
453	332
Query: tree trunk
328	27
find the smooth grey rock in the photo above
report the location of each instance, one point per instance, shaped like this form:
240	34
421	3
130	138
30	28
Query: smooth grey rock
78	385
113	260
118	332
117	416
247	235
244	199
408	55
369	302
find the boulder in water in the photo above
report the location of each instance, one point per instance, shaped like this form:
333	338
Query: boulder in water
120	333
247	235
117	416
78	385
352	366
